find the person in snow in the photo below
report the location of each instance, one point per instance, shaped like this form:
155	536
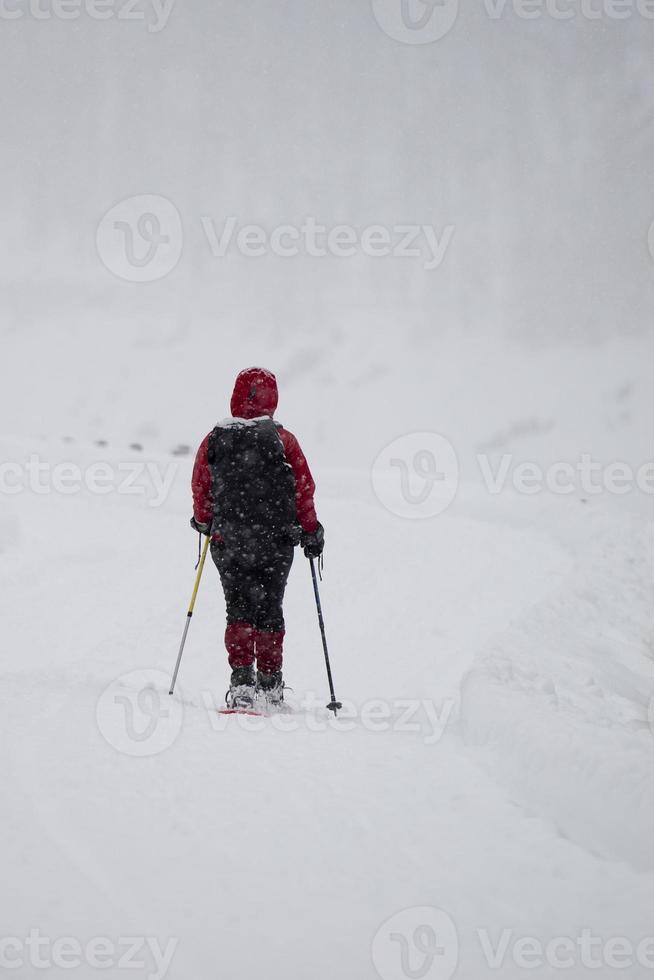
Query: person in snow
253	495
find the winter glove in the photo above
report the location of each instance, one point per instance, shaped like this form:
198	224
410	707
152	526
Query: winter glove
202	528
314	542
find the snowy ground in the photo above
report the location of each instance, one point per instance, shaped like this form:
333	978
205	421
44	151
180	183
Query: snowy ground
494	761
483	806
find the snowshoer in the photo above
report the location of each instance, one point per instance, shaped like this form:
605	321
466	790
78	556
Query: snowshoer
253	494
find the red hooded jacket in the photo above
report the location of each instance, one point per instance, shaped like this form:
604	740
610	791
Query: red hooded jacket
255	394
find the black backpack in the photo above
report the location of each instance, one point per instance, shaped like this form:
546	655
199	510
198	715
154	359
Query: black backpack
253	486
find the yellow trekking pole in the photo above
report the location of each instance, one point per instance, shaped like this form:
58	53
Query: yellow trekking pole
189	615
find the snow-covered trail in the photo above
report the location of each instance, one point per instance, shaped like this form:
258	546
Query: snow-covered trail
264	850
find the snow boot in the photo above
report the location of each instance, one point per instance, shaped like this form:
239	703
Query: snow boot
241	689
271	686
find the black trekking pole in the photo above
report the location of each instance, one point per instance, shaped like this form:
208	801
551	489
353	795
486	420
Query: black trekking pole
189	614
334	705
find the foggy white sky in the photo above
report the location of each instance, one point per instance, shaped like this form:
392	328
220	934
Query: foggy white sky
532	138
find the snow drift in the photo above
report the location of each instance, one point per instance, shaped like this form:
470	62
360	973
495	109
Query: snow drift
561	700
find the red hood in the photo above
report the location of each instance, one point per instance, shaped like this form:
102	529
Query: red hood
255	394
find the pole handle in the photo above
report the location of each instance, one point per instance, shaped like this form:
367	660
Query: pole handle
199	576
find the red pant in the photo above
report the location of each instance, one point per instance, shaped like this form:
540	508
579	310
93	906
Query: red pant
244	643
